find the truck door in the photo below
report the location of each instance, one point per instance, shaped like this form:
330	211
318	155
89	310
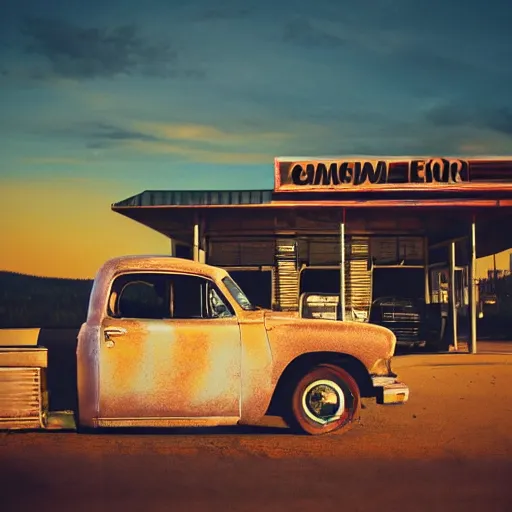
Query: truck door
170	348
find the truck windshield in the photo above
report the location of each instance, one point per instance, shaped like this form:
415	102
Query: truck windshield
238	294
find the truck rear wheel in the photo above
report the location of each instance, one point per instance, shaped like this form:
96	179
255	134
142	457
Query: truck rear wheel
325	400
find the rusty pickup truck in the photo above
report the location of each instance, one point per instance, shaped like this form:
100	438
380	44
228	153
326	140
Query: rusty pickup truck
172	342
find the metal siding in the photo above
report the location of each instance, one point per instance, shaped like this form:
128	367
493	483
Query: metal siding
358	279
197	197
241	253
21	398
324	251
286	276
224	254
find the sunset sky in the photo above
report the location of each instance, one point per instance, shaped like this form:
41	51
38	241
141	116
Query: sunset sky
100	100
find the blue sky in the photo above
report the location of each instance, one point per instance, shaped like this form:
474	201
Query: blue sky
122	96
148	91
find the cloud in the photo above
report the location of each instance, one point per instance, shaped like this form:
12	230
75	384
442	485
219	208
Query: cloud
103	133
199	155
304	32
220	10
389	45
488	144
206	133
191	142
91	52
498	119
347	29
54	160
224	12
192	134
448	114
208	144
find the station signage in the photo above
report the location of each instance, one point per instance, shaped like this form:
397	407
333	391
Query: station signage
364	174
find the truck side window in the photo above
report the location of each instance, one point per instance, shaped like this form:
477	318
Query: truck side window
196	297
165	296
140	296
187	296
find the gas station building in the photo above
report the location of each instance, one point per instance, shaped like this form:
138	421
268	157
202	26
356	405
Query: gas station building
350	231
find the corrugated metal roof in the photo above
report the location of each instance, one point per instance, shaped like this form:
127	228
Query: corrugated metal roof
196	197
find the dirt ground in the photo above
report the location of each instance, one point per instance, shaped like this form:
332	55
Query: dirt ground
449	448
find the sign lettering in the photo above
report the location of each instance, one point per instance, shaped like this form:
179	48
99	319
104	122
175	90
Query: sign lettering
345	173
361	174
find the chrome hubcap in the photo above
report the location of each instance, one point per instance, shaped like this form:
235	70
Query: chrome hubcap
323	401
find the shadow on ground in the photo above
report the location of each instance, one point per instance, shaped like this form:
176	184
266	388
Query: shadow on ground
210	431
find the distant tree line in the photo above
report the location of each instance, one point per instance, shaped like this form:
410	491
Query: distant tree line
51	303
29	301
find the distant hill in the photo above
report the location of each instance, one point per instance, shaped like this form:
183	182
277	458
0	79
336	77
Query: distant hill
47	302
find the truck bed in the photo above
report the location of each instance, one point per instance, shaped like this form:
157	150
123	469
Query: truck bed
17	349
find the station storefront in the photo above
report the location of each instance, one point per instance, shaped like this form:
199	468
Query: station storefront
386	240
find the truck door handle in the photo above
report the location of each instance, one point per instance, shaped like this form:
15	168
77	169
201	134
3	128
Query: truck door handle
114	331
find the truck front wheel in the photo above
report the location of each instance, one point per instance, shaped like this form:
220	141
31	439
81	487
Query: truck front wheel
325	400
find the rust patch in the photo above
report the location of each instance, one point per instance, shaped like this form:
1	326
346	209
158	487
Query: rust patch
171	368
207	360
257	368
291	337
120	368
191	356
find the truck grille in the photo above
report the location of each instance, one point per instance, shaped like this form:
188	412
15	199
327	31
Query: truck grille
406	334
400	316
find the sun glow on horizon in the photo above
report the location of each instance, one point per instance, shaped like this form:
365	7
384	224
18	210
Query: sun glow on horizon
67	229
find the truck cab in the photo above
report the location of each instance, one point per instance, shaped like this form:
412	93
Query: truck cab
172	342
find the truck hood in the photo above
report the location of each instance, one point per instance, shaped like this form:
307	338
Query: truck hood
286	326
281	315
